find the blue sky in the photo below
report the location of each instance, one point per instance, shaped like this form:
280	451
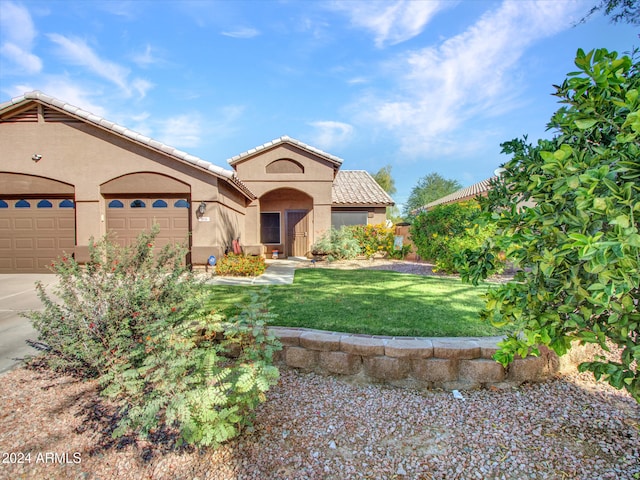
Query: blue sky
423	86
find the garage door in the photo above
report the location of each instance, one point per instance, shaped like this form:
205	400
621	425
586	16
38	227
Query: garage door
128	217
33	232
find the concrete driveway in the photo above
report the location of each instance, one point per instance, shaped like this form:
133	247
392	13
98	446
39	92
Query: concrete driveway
18	294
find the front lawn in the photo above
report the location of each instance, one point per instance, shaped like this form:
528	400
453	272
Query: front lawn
370	302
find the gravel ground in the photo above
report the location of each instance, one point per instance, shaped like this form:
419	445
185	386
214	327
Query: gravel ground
313	427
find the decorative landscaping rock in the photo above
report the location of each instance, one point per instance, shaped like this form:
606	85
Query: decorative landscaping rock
449	363
340	363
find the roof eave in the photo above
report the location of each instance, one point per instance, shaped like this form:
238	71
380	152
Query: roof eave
130	135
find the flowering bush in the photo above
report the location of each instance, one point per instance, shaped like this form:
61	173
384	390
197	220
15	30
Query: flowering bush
241	265
136	320
373	239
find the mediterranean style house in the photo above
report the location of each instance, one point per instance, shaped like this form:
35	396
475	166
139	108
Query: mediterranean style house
67	175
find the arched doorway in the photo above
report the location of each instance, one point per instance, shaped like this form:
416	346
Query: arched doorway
286	220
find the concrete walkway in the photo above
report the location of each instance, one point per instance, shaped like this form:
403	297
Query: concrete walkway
279	272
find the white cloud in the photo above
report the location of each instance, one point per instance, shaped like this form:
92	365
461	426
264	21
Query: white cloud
145	58
64	89
391	22
330	134
19	33
77	52
183	131
241	32
466	77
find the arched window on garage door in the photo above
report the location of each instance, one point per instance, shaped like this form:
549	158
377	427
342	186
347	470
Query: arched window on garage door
138	204
116	204
45	204
3	204
22	204
159	204
181	204
67	204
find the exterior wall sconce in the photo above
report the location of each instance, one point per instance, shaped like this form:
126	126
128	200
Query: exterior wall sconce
36	157
201	209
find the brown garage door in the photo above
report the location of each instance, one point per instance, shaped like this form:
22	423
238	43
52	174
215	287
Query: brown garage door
128	217
33	232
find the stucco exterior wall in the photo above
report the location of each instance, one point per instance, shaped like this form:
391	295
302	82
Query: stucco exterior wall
87	157
307	190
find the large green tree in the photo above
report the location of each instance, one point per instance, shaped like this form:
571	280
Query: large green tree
429	188
578	246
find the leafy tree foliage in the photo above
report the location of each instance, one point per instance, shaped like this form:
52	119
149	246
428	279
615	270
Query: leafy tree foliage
429	188
619	10
578	247
445	231
385	180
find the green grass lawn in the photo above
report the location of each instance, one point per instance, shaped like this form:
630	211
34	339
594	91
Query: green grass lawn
370	302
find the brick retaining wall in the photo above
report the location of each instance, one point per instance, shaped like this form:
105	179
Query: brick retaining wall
448	363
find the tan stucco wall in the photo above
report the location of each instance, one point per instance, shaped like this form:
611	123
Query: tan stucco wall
314	186
86	157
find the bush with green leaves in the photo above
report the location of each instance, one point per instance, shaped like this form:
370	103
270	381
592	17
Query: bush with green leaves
239	265
578	246
337	244
135	319
445	231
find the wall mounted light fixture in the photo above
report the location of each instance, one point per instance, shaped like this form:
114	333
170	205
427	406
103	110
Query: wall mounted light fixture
201	209
36	157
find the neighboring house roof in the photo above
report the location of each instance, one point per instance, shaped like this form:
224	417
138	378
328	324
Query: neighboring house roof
336	161
463	194
358	187
121	131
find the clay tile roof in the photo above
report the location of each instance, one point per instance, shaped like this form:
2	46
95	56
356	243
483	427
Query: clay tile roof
286	139
89	117
466	193
358	187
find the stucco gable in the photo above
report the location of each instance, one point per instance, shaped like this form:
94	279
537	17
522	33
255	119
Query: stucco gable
21	104
335	161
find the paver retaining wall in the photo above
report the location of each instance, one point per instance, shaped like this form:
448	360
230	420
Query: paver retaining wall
448	363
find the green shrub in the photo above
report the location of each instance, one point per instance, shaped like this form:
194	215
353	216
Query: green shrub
240	265
136	321
337	245
577	246
444	232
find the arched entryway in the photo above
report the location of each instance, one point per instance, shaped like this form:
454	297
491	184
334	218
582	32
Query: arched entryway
286	221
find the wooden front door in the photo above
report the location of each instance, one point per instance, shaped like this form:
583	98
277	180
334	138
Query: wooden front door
297	233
